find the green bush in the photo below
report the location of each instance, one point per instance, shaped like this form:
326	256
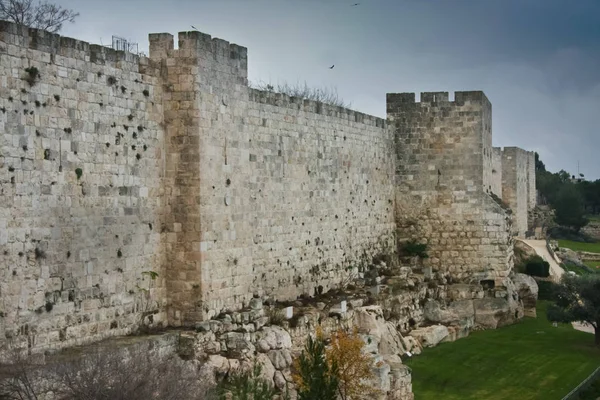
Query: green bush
246	385
546	290
536	266
412	248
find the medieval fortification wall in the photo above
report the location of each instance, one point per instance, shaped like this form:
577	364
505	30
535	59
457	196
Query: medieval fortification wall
114	167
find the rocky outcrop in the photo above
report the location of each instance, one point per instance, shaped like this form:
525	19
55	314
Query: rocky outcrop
236	340
527	288
430	336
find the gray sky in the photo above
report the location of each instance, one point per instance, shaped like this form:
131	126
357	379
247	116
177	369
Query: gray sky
537	61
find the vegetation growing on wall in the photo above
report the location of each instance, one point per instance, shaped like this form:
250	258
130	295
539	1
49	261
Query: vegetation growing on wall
303	91
571	197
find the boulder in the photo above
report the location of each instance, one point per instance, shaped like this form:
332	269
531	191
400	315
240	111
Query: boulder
267	372
279	380
411	344
490	311
430	336
281	359
262	346
368	320
523	251
275	337
218	364
238	344
527	288
455	312
381	371
380	336
391	340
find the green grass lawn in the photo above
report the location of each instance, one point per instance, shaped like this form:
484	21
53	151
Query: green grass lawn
528	360
580	246
593	265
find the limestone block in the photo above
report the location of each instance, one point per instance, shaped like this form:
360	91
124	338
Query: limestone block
275	337
527	289
267	368
281	359
430	336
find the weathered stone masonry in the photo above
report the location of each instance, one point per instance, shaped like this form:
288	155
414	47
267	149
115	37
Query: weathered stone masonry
113	165
444	177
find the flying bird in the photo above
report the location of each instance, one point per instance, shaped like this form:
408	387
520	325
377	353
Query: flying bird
194	27
355	4
332	66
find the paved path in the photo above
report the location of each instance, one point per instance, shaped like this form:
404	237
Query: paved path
555	272
540	248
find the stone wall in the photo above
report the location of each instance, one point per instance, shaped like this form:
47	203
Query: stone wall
497	171
531	189
294	198
114	166
442	149
515	187
81	159
278	196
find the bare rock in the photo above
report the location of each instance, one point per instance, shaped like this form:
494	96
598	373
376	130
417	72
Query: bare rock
490	311
256	304
281	359
279	380
430	336
217	363
263	346
238	344
267	372
411	344
527	288
275	337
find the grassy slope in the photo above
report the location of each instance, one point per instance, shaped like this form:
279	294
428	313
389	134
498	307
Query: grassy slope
528	360
580	246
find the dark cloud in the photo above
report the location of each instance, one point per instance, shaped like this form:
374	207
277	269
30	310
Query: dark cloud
538	61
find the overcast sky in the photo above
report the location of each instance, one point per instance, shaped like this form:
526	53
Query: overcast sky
538	61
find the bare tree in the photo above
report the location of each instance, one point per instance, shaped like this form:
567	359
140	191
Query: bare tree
43	15
21	376
136	374
104	373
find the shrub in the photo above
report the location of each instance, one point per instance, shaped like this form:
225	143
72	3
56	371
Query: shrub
32	75
413	248
246	385
323	95
546	290
354	366
276	316
536	266
315	376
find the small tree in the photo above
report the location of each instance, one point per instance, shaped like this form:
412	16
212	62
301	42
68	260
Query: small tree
570	209
43	15
315	377
21	378
246	385
577	298
354	366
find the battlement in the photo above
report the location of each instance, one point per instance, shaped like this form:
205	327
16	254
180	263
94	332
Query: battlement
37	39
311	106
192	43
398	100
